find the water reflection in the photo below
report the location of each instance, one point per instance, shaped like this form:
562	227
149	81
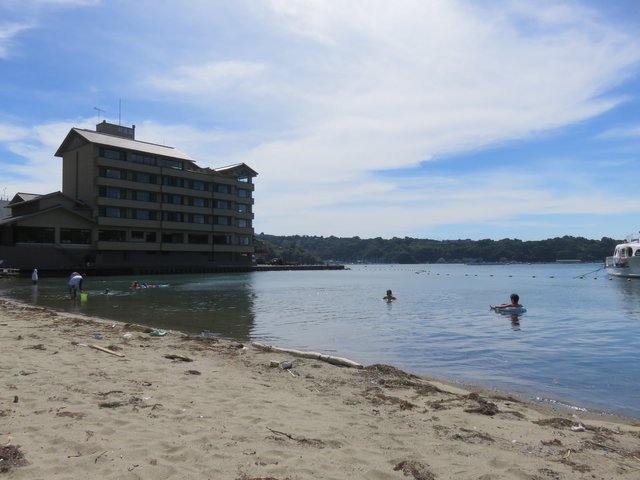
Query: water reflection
220	304
629	293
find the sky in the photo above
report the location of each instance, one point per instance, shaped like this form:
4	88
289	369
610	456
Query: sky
440	119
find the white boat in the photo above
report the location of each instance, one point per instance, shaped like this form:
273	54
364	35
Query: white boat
625	261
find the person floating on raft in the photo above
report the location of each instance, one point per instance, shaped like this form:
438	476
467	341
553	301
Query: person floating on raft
513	307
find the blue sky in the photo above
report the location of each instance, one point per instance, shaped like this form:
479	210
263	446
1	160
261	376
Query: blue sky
438	119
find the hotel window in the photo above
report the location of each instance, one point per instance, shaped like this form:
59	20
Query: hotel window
199	202
35	235
143	177
222	239
112	192
245	240
198	239
143	159
198	185
144	214
219	220
143	196
112	235
112	173
172	217
112	154
244	223
172	181
174	199
222	204
244	208
169	163
112	212
74	235
137	236
242	178
222	188
200	219
172	238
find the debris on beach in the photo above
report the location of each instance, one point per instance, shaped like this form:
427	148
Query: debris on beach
111	404
415	469
106	350
178	357
484	407
11	456
286	365
578	427
339	361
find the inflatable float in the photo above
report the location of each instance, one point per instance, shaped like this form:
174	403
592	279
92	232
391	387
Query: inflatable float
510	310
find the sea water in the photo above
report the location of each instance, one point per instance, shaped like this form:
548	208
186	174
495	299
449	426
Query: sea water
578	344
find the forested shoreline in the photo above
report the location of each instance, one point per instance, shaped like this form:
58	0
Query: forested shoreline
305	249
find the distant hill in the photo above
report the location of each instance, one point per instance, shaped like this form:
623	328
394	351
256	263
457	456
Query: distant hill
313	249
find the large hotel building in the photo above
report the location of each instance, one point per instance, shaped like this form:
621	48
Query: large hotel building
128	205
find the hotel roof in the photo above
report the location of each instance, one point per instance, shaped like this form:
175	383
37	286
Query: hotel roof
119	142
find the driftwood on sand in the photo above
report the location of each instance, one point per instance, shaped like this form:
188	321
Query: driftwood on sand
343	362
106	350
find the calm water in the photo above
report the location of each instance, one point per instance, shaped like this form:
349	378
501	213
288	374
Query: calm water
578	344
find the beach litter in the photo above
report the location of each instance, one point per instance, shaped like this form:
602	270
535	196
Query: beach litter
158	333
578	427
178	357
11	456
106	350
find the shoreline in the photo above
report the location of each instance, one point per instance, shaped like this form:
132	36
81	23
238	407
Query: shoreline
566	406
179	406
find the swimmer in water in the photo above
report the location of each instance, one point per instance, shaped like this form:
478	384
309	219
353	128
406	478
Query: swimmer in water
389	297
515	303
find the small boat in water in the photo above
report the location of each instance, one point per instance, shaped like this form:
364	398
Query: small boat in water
625	261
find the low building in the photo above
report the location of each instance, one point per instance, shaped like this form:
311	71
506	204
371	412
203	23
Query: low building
130	206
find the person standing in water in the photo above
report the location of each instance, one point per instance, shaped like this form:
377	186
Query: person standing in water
75	284
34	276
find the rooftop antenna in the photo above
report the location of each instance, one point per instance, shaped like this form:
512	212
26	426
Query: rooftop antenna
119	110
100	112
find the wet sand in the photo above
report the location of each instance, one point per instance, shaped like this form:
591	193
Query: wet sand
178	406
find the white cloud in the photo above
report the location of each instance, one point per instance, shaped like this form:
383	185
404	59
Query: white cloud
323	97
27	15
35	169
12	132
632	131
7	33
209	78
391	85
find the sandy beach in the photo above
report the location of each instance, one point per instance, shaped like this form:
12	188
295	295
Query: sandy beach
182	407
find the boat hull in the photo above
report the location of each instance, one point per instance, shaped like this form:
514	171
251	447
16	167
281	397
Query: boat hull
629	267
